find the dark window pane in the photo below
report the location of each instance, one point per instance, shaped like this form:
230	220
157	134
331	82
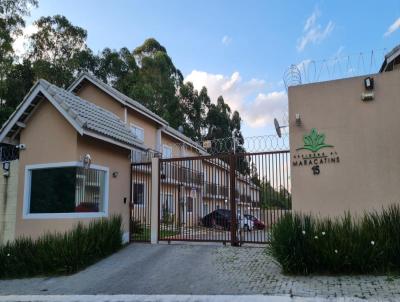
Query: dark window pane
53	190
189	204
138	193
67	190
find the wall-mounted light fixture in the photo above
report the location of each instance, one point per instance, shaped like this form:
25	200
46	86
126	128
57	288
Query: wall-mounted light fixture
369	86
367	96
6	168
115	174
369	83
298	119
87	160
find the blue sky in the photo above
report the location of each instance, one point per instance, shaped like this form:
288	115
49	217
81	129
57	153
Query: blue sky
238	48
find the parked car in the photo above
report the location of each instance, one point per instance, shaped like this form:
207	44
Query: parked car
258	224
222	218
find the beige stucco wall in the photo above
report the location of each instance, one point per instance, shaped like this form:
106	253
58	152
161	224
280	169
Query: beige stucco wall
178	150
49	138
93	94
149	127
117	160
8	203
364	135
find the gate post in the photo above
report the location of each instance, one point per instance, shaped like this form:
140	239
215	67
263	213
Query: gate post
232	172
155	161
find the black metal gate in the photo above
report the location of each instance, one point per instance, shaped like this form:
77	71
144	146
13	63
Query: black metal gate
226	197
140	204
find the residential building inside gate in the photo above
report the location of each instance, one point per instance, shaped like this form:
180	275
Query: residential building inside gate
86	152
89	151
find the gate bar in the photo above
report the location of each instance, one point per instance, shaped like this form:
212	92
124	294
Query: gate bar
155	199
233	226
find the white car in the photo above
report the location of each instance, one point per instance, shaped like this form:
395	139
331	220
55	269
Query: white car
245	224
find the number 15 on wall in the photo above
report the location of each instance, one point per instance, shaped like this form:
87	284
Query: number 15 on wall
315	170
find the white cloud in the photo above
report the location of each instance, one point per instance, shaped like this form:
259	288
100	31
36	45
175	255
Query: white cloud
20	43
265	107
226	40
392	28
256	107
313	32
310	22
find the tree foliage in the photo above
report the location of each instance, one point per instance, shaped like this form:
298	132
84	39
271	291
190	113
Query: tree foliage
158	82
12	14
58	52
57	41
195	106
13	79
58	49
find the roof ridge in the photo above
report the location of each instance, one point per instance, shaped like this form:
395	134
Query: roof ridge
135	103
57	94
120	94
84	101
86	117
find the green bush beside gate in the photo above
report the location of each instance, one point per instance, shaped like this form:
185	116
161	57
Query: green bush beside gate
304	244
56	253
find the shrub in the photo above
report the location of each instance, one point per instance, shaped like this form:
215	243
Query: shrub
304	244
57	253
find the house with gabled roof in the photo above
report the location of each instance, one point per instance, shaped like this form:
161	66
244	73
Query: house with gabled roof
56	131
75	150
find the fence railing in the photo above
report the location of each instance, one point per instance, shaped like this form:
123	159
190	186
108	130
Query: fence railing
211	189
180	173
141	157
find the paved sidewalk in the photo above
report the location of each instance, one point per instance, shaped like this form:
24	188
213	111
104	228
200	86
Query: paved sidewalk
200	270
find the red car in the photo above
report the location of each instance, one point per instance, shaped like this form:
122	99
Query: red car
258	224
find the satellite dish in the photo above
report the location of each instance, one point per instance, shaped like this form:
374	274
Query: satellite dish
180	129
278	128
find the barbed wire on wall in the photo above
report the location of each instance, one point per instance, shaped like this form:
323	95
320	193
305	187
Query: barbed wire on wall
264	143
337	67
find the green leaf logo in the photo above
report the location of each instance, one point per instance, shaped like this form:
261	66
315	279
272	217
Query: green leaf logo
314	141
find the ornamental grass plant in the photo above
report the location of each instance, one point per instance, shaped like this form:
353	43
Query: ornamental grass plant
61	253
367	244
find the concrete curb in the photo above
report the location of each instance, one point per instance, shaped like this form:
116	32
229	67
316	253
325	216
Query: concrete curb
169	298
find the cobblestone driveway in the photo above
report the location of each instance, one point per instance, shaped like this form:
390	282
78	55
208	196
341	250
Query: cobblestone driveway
201	269
252	270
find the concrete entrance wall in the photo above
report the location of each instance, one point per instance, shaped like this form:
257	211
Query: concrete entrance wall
365	137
